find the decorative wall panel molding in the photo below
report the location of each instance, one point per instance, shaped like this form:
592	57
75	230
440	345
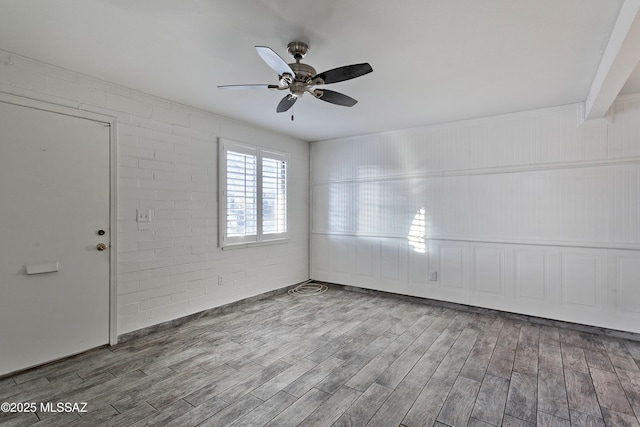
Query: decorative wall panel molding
391	261
627	281
364	258
488	265
452	265
581	280
419	266
531	273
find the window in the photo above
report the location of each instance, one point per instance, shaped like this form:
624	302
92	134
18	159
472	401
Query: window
253	194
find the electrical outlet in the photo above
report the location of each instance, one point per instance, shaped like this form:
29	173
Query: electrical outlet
433	276
220	280
143	215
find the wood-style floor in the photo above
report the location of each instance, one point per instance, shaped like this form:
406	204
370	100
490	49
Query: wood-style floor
343	358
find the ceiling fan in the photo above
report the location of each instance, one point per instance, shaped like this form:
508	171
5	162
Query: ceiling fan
299	78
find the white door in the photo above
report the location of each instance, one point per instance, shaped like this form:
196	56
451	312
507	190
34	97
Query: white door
54	200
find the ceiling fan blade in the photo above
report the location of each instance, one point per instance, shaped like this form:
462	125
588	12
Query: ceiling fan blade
335	97
345	73
258	86
286	103
274	61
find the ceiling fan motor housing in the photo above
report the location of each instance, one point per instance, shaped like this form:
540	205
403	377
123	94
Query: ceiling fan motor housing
304	72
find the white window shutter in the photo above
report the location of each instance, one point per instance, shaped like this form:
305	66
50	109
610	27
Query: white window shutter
274	195
242	194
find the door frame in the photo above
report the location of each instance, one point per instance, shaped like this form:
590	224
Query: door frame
112	123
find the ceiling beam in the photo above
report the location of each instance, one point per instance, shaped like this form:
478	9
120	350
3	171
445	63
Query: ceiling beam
621	56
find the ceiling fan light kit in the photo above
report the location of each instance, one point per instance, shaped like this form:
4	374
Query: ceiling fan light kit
299	78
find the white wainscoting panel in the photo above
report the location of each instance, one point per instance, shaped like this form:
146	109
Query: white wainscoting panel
390	261
342	255
364	257
581	278
322	254
419	265
532	273
627	280
488	269
452	265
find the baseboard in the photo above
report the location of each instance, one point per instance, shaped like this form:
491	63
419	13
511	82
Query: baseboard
614	333
170	324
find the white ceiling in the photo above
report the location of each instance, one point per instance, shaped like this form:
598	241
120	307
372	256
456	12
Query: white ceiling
434	61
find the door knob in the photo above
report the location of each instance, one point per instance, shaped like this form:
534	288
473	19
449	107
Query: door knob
101	247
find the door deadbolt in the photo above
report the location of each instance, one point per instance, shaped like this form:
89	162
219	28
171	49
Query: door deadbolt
100	232
101	247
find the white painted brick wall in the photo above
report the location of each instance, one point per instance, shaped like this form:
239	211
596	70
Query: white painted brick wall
167	163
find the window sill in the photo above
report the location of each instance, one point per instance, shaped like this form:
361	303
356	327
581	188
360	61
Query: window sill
253	244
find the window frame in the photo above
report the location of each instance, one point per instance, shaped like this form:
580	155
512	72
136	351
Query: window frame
260	237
